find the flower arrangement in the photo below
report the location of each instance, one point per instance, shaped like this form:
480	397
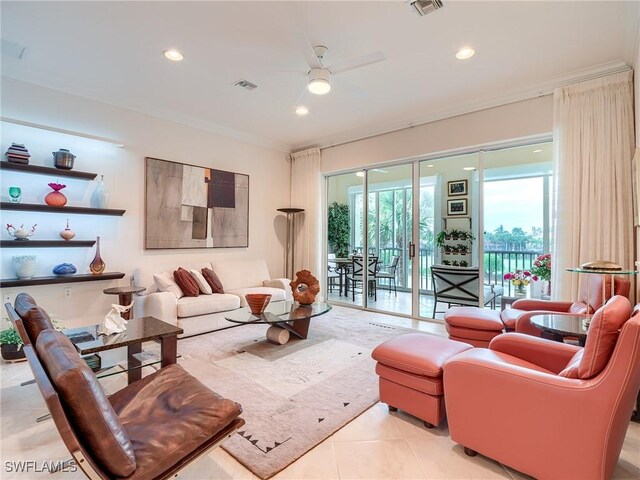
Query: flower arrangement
520	279
542	267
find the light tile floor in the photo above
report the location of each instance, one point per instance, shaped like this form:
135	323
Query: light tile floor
376	445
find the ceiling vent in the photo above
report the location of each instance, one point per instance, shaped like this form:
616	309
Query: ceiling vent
422	7
247	85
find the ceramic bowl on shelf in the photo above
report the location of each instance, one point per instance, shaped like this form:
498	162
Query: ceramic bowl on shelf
24	266
257	302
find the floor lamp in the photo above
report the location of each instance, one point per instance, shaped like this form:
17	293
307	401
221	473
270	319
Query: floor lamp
290	248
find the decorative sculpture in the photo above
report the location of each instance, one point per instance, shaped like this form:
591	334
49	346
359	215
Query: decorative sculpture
305	287
21	233
113	321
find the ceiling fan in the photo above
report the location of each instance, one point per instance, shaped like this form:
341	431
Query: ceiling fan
319	75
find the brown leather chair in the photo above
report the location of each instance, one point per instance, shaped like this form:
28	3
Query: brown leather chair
151	429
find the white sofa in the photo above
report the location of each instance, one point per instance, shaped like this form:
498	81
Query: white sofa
206	313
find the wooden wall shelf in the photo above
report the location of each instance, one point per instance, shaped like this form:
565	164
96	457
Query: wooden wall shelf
87	277
46	243
54	172
34	207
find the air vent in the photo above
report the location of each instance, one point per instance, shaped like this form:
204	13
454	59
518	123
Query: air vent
247	85
11	49
422	7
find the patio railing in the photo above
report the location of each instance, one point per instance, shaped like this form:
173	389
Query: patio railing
496	264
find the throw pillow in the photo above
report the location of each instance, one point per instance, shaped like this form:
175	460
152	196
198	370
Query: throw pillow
166	283
213	280
86	404
204	287
186	282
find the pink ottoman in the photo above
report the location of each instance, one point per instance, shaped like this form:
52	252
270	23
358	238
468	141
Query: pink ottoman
473	325
410	370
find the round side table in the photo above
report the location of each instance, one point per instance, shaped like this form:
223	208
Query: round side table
125	296
557	326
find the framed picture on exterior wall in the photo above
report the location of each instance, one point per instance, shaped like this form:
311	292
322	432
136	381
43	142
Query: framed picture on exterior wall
189	206
457	187
457	207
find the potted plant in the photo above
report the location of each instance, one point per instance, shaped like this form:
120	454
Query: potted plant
11	344
338	232
457	234
462	249
446	262
440	238
464	263
468	236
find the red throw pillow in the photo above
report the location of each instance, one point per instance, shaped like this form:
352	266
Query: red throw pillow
213	280
186	283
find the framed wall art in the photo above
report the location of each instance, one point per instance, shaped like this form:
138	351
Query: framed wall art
457	187
457	207
189	206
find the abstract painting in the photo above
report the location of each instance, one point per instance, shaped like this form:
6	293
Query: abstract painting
194	207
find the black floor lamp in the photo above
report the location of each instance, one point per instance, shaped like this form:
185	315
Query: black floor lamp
290	248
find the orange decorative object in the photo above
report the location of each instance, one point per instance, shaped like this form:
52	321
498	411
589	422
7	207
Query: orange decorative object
97	265
257	302
305	287
56	198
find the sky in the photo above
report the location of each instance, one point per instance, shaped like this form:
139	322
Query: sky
513	203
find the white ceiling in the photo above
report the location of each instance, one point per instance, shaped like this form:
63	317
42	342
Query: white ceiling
112	51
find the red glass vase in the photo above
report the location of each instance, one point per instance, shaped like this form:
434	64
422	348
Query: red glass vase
56	198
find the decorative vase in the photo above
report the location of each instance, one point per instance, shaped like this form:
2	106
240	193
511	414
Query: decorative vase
67	233
64	269
56	198
97	265
100	196
521	290
15	194
24	266
546	289
63	159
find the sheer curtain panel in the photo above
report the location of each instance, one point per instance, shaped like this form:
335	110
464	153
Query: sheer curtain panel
594	146
306	179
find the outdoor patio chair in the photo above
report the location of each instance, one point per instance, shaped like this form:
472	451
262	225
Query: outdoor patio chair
461	286
389	273
356	275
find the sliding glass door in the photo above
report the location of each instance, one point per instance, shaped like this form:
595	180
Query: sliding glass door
389	225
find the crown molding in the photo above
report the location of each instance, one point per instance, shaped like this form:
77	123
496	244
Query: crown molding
538	90
73	88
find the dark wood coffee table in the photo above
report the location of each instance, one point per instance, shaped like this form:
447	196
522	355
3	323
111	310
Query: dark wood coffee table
558	326
290	317
139	330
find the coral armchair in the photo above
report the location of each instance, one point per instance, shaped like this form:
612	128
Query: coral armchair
590	298
545	408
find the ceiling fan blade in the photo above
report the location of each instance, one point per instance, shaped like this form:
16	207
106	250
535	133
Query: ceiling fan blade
306	48
359	62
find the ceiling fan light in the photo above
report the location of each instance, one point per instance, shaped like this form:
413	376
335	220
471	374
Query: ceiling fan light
319	86
319	83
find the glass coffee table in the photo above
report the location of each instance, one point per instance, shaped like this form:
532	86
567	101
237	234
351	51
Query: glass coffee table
284	318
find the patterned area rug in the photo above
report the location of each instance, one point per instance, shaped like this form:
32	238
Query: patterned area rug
295	395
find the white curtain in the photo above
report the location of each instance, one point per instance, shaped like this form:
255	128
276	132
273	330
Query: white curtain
594	145
306	179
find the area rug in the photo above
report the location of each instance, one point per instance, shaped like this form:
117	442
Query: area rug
295	395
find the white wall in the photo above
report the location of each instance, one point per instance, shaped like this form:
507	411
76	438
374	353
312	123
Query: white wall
516	120
122	237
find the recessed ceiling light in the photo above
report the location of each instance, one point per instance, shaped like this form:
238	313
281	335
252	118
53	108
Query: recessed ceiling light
359	174
469	168
430	165
465	52
302	110
537	151
174	55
